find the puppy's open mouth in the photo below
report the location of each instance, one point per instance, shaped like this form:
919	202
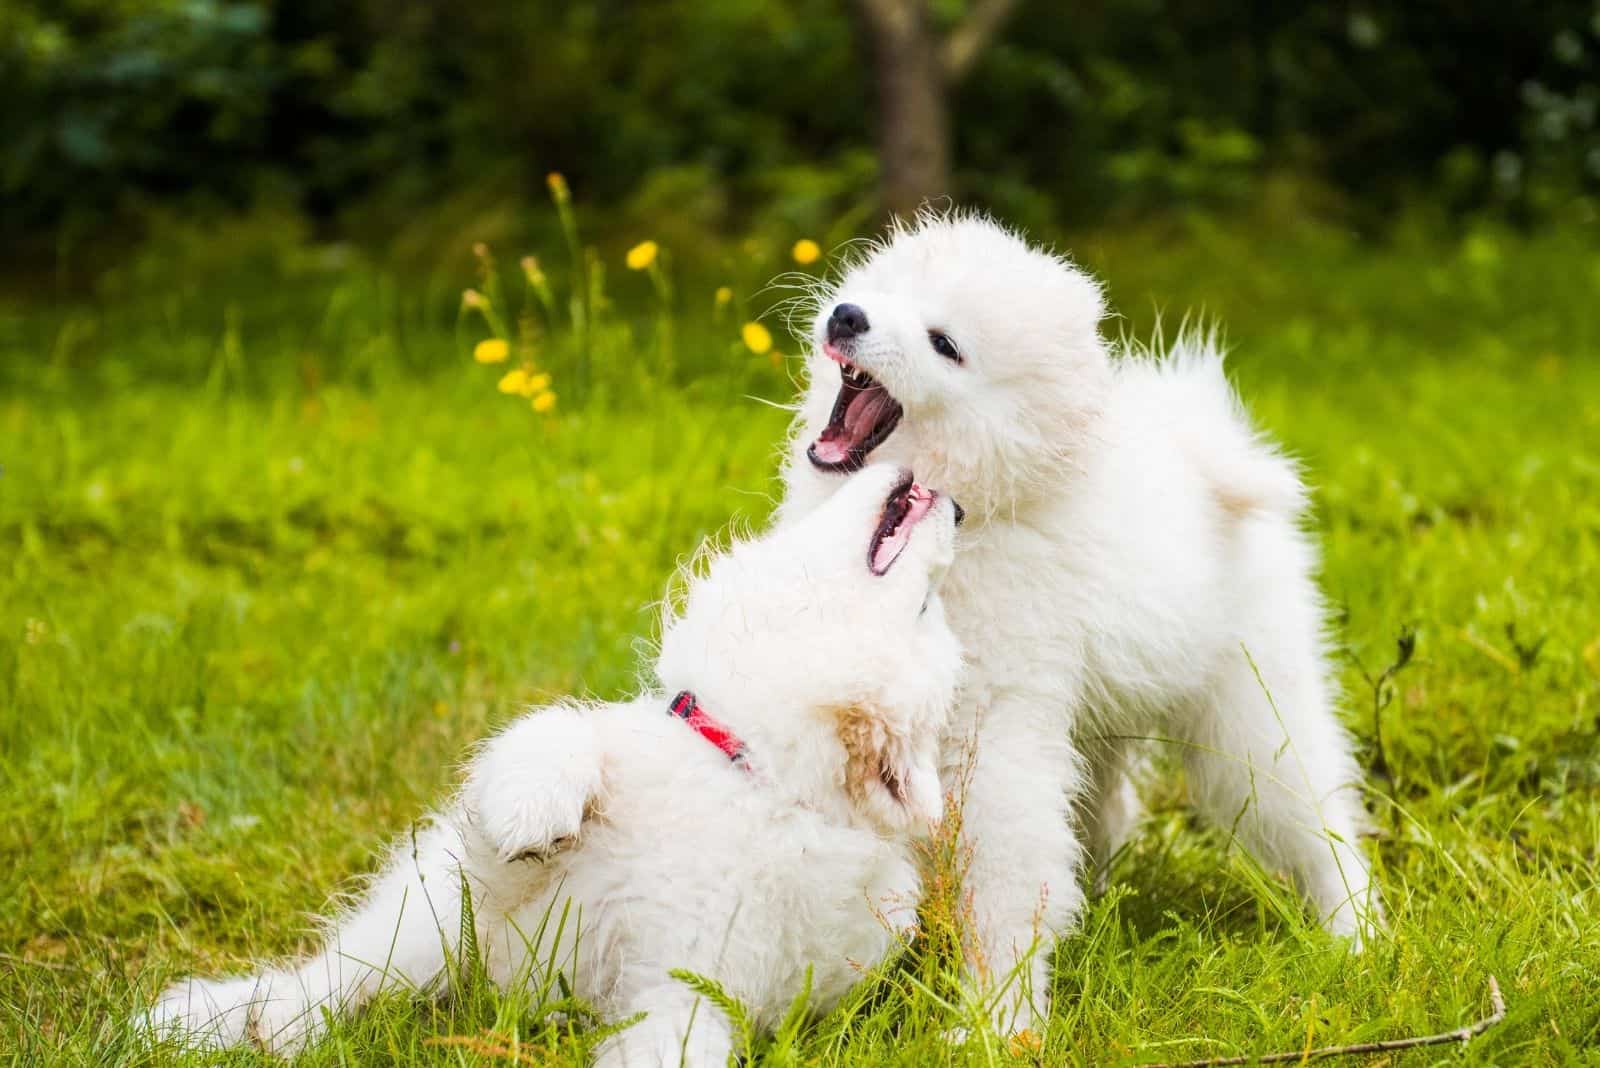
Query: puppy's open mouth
905	508
863	418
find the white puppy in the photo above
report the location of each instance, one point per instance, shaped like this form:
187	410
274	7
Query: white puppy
1135	558
761	822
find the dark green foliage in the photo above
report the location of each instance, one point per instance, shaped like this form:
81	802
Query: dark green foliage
362	113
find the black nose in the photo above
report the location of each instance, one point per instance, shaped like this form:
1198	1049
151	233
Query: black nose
961	513
847	321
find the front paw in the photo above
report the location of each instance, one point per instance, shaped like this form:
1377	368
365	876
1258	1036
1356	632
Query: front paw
530	785
1015	1003
528	821
1020	1044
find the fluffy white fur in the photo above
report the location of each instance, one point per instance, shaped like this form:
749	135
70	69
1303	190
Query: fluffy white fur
1134	554
839	681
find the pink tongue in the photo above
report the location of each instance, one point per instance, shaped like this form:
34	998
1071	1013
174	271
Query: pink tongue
889	548
861	416
830	449
866	410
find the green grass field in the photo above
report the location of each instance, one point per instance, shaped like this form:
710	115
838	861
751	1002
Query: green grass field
273	552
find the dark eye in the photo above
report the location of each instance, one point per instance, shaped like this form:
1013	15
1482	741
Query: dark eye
944	346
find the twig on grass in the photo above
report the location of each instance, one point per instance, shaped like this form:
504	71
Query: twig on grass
1497	1006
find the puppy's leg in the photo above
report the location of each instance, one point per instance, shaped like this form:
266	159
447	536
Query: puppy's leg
526	794
1109	809
530	785
1024	854
204	1013
398	937
1268	761
893	896
679	1028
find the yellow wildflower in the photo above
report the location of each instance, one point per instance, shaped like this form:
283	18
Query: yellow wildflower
757	338
806	251
724	295
558	185
642	255
492	350
524	382
544	402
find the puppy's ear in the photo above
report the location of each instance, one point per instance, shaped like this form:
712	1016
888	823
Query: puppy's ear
892	779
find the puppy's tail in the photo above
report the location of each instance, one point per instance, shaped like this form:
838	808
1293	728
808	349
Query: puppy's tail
1247	474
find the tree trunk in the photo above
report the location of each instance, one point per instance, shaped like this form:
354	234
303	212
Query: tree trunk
913	107
917	70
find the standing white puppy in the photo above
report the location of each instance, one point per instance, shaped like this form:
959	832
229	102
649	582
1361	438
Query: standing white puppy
1135	557
760	823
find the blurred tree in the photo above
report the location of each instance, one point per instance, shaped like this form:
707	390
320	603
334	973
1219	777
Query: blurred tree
98	99
720	116
916	70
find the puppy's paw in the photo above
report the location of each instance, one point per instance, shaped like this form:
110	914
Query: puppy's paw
531	784
1011	1009
204	1013
525	820
1360	925
284	1019
661	1040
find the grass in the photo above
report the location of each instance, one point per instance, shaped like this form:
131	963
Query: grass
273	552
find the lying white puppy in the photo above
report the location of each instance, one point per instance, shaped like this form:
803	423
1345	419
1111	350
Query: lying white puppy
1135	557
760	822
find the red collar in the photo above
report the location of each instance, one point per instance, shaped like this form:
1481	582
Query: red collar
686	708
